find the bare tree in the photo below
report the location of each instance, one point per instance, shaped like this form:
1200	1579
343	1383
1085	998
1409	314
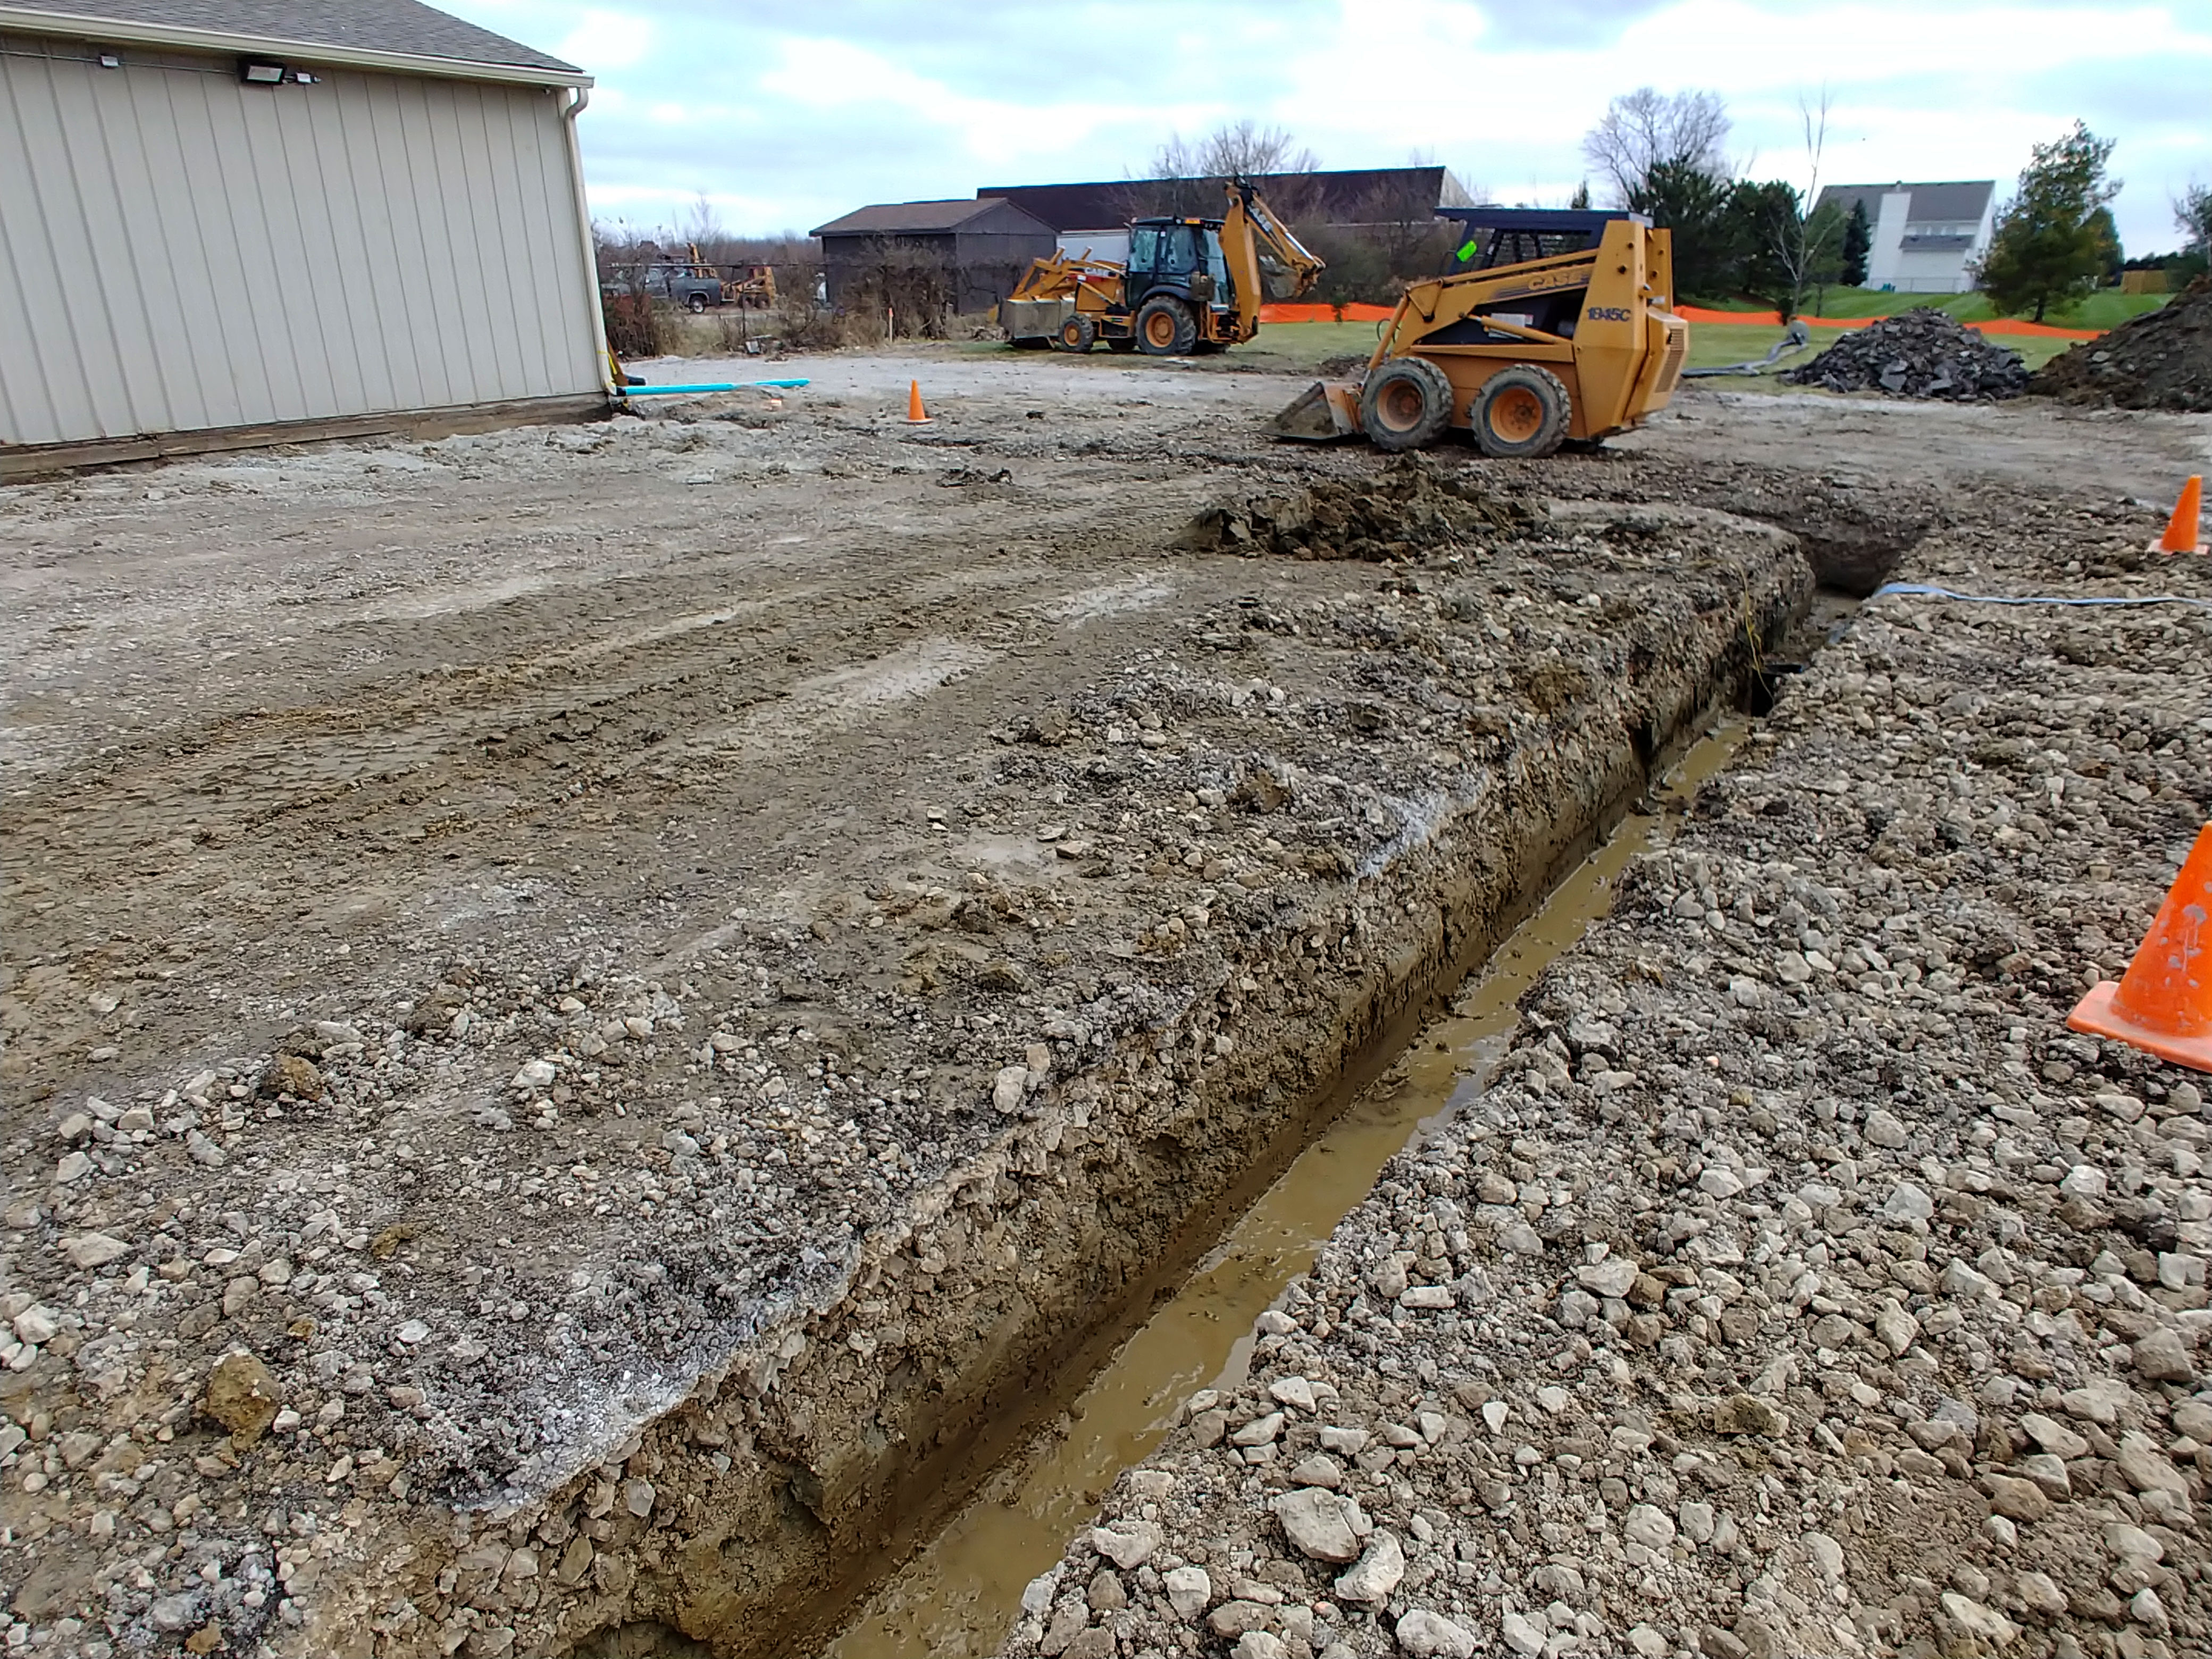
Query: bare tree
1809	243
2192	217
1645	127
1239	150
701	226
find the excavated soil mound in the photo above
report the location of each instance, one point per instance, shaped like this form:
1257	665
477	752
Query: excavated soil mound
1407	510
2161	359
1922	353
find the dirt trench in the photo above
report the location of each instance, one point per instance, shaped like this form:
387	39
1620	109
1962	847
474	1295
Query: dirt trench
1030	1264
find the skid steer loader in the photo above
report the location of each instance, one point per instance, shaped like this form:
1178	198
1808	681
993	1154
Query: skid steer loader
1525	356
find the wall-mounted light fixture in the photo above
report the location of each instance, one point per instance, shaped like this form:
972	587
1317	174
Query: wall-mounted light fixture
260	75
109	60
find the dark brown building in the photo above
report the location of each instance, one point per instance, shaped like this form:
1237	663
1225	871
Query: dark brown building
1095	216
930	257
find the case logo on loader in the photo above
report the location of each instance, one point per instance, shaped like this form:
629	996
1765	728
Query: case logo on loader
1607	314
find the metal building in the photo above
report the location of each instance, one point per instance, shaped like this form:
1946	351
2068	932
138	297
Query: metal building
225	223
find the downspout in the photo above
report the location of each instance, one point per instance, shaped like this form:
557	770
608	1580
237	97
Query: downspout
600	354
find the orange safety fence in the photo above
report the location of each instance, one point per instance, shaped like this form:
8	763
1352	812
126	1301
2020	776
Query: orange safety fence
1356	313
1283	312
1773	319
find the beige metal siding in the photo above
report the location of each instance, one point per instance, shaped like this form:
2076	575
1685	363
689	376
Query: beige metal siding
180	251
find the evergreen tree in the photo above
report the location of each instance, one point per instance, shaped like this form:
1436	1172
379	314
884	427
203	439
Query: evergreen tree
1581	198
1764	234
2050	247
1681	196
1824	252
1859	243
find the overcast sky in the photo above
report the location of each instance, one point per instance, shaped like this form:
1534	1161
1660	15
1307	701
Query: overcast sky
787	114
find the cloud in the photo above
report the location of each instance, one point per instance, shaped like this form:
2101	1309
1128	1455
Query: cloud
788	112
608	40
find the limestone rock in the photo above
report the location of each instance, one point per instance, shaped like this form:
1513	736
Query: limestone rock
1432	1636
1376	1573
1314	1520
243	1396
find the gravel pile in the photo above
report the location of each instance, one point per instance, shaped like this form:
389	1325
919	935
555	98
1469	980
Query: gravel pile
1801	1285
1921	353
2161	359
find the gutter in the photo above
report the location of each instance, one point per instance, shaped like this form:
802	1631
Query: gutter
102	31
602	357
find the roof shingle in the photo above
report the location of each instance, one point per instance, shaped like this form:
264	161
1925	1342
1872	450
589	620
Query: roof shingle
912	218
402	27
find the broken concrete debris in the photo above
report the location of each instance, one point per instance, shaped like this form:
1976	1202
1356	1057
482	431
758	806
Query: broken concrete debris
1921	353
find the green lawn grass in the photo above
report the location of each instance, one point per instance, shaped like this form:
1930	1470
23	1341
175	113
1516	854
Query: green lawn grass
2108	309
1301	348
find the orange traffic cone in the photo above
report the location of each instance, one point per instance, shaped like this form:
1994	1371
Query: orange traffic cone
2185	531
915	415
2163	1003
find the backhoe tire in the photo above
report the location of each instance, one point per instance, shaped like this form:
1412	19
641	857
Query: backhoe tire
1165	328
1521	413
1405	405
1077	334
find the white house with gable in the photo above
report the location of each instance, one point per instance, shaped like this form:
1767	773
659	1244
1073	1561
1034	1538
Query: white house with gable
1928	238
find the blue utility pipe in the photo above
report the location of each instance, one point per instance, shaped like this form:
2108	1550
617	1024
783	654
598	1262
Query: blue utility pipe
719	386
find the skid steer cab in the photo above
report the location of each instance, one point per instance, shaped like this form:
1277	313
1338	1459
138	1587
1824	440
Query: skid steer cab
1578	344
1188	285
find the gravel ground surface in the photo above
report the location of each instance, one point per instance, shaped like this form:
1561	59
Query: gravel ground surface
500	929
1801	1285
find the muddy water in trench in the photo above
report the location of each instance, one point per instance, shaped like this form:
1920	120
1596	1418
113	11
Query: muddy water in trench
961	1594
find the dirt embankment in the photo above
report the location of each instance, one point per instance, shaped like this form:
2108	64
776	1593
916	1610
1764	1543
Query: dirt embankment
1801	1285
2161	359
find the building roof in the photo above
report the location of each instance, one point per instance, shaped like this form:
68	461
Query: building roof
1350	195
370	33
918	218
1961	202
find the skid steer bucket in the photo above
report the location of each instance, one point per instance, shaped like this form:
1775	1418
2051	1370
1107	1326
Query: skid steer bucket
1329	410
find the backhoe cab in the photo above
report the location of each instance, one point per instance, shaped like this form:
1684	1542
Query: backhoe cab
1189	285
1524	356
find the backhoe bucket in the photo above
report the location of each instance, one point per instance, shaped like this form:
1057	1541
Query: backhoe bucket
1329	410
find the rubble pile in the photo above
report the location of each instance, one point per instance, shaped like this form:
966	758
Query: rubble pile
1921	353
1409	509
2161	359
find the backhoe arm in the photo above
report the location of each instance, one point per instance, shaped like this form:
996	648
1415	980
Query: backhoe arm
1249	225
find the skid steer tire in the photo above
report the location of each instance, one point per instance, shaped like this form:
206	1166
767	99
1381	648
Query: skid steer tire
1520	414
1405	405
1165	328
1077	334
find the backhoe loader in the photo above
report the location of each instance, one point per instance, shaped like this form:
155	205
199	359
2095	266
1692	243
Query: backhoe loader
1188	285
1525	356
